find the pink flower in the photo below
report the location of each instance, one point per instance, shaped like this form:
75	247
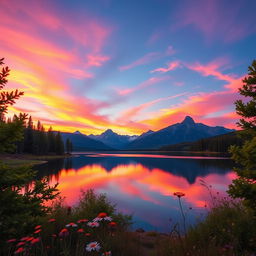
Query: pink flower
106	253
20	243
11	240
112	224
82	221
37	231
72	225
93	224
93	246
38	227
19	250
64	232
80	230
102	215
35	240
51	220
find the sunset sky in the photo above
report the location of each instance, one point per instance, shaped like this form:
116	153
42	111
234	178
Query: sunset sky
127	65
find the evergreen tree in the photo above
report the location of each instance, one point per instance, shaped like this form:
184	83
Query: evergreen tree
59	144
69	146
51	141
29	138
245	185
19	209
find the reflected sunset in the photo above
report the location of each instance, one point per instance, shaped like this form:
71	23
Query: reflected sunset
145	183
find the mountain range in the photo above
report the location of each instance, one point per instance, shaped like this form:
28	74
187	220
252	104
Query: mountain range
186	131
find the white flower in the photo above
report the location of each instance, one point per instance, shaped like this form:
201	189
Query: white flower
93	246
93	224
108	218
73	225
97	219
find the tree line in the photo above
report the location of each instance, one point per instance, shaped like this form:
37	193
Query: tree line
220	143
36	140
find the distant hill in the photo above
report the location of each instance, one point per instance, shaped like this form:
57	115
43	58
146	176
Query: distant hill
113	139
82	142
186	131
219	143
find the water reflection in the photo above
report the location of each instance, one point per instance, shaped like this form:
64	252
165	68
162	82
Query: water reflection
142	184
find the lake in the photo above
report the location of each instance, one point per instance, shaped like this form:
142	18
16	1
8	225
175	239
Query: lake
142	184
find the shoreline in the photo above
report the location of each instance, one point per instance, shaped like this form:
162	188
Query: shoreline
16	160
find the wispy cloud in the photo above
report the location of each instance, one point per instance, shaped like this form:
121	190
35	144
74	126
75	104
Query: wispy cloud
214	21
149	82
171	66
149	57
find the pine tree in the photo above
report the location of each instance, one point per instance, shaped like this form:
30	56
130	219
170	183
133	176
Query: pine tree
19	209
245	185
59	150
29	138
51	141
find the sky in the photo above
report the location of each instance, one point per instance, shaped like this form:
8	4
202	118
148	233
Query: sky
129	66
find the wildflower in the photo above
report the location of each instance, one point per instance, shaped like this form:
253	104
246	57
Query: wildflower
82	221
11	240
106	253
102	215
51	220
96	219
93	224
24	238
72	225
30	239
35	240
37	231
19	250
112	224
80	230
178	194
108	218
64	232
93	246
38	227
20	243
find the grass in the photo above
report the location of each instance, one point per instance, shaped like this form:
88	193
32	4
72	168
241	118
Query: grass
17	160
228	230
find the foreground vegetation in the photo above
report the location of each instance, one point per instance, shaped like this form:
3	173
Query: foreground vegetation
93	227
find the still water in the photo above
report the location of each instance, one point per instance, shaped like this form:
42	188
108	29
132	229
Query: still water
143	184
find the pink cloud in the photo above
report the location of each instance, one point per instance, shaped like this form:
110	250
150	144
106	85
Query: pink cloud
151	81
171	66
96	60
212	69
133	112
214	21
149	57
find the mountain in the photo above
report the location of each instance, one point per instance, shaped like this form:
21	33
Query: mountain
186	131
82	142
113	139
219	143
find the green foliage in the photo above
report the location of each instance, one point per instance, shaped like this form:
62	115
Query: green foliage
21	199
229	229
245	185
89	205
114	238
